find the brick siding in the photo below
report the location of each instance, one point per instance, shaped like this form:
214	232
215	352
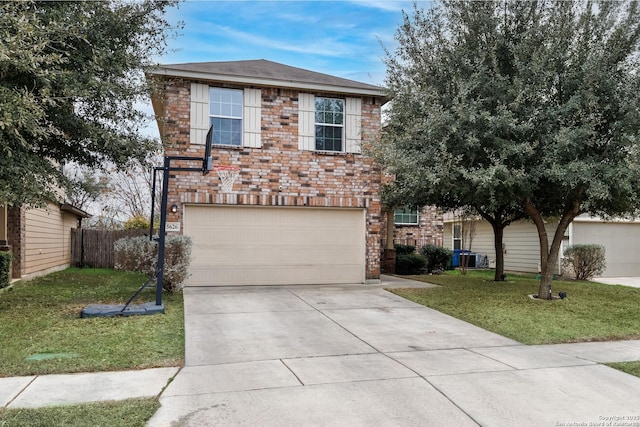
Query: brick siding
16	239
429	229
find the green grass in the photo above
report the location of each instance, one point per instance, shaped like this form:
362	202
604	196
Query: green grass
592	311
126	413
632	368
42	316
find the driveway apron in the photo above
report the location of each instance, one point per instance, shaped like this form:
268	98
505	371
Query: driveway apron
358	355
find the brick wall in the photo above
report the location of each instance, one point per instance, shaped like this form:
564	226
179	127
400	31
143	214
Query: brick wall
429	229
16	239
279	174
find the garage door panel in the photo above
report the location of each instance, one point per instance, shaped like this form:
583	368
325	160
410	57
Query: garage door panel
283	255
270	275
619	240
253	246
236	252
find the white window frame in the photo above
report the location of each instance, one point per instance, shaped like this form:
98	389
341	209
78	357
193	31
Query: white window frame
341	126
456	226
200	109
239	117
307	129
404	209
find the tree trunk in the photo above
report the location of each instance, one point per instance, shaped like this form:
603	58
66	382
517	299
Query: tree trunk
498	234
549	254
546	276
499	221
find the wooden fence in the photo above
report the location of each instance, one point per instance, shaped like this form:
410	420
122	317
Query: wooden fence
94	248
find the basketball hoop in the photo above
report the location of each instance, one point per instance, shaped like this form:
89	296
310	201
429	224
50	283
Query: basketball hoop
228	175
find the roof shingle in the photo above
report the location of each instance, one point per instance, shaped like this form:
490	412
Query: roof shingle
268	70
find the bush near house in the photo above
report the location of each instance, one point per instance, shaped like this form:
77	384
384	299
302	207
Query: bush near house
584	262
438	258
141	255
410	264
5	269
137	222
404	249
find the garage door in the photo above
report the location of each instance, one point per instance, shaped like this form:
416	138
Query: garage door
275	245
620	241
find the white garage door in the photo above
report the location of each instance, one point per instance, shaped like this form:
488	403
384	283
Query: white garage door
275	245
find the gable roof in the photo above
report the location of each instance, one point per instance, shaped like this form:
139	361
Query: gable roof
267	73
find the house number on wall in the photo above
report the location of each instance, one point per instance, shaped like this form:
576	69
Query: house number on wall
173	226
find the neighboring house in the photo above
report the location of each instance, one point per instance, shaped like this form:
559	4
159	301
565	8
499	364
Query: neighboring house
305	208
522	248
39	238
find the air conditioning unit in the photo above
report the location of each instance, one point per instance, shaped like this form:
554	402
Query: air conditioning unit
475	260
468	260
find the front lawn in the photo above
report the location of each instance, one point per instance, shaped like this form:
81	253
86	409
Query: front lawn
126	413
42	332
592	311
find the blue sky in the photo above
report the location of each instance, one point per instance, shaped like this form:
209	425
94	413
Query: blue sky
341	38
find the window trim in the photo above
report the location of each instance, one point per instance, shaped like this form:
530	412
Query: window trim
343	142
457	225
404	213
241	118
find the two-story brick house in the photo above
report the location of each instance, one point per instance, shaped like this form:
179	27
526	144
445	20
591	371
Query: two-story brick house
305	208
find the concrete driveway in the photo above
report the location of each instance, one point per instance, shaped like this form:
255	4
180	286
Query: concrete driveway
360	356
634	282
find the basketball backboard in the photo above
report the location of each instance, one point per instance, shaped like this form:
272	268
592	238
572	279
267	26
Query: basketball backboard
206	160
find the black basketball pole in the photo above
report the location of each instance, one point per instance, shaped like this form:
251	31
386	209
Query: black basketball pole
205	168
162	232
153	203
111	310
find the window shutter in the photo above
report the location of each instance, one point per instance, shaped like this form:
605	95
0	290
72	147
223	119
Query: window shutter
199	113
306	121
252	118
353	124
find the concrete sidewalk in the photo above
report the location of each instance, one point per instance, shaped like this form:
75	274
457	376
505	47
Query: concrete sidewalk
354	355
50	390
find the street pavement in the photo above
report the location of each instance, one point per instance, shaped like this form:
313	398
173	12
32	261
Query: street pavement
355	355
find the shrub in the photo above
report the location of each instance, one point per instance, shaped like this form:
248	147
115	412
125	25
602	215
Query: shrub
404	249
5	269
137	222
141	255
410	264
584	261
438	258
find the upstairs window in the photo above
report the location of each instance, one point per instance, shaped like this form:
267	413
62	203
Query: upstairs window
225	114
406	215
329	124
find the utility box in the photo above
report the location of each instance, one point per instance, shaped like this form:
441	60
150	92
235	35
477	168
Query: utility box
468	259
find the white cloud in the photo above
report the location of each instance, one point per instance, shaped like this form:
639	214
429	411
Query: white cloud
326	46
386	5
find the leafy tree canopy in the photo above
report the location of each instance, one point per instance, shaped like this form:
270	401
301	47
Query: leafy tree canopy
517	105
71	76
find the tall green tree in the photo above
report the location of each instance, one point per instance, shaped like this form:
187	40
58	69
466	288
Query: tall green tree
448	136
584	80
71	80
516	109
